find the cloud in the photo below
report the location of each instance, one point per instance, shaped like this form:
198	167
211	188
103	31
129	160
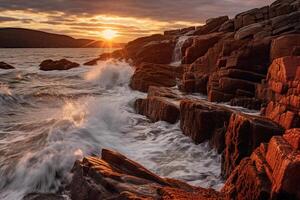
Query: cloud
162	10
131	18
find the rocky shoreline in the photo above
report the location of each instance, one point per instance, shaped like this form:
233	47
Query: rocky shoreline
252	61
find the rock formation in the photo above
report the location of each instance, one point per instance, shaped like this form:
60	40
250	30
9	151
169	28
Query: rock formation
113	176
63	64
4	65
253	61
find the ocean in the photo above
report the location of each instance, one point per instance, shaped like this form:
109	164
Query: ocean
50	119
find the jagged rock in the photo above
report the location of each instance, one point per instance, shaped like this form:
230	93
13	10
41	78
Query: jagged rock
158	109
179	31
200	46
116	177
156	49
246	102
248	31
63	64
244	134
247	182
166	92
239	72
202	121
292	136
212	25
283	90
284	46
271	172
250	17
148	74
118	54
227	26
4	65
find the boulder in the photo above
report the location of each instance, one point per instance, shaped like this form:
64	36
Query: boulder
63	64
248	31
202	121
113	176
118	54
271	172
156	49
158	109
148	74
244	134
200	46
212	25
4	65
282	89
284	46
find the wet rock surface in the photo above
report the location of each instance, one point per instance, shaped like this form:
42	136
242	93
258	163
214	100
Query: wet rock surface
251	61
113	176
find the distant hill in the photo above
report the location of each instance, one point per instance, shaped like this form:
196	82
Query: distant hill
26	38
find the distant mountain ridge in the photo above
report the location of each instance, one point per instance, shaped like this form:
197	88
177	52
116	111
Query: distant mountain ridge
27	38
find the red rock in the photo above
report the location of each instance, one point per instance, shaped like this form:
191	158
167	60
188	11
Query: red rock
114	176
63	64
285	164
4	65
200	46
148	74
212	25
244	134
203	121
292	136
199	194
246	102
158	109
247	183
284	45
156	49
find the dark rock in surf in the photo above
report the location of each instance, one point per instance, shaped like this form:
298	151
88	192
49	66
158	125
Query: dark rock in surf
118	54
4	65
63	64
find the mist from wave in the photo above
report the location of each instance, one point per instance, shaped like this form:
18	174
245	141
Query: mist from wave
50	119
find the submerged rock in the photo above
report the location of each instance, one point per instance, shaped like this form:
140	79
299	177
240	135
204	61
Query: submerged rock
63	64
113	176
4	65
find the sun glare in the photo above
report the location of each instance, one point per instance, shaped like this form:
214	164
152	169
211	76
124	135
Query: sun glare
109	34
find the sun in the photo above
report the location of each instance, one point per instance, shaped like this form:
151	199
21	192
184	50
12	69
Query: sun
109	34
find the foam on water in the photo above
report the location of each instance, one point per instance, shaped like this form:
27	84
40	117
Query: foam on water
39	145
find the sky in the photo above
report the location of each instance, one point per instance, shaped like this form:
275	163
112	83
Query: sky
129	18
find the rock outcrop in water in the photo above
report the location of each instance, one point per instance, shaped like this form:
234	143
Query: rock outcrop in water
63	64
253	61
4	65
113	176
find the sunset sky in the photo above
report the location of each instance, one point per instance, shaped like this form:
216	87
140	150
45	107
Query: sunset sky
129	18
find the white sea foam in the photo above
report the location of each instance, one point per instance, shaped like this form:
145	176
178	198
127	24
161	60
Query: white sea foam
42	143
